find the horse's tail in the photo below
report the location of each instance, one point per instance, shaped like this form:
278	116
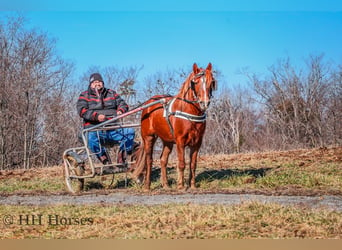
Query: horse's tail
139	168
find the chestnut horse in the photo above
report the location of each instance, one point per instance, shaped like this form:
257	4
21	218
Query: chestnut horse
180	120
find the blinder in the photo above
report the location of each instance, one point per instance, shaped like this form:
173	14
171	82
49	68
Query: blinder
192	83
212	87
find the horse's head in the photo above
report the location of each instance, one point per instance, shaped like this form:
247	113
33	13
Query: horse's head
202	85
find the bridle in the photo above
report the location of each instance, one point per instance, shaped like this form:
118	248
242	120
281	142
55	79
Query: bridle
193	83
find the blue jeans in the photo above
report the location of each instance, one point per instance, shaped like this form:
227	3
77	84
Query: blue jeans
123	136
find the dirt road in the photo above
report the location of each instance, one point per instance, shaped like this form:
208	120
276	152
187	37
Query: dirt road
328	202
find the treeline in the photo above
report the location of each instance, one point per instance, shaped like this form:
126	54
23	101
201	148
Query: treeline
289	108
35	98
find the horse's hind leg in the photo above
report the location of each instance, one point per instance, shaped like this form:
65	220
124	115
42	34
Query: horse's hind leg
148	144
164	158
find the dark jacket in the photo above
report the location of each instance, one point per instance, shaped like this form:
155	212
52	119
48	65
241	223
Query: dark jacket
90	106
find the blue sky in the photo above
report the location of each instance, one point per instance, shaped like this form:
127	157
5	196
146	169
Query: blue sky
161	35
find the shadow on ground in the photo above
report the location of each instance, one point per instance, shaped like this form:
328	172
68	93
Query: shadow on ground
206	175
212	175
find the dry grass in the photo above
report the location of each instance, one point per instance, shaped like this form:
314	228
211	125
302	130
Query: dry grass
246	221
296	172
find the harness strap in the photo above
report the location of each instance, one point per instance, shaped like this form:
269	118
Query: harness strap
180	114
167	113
190	117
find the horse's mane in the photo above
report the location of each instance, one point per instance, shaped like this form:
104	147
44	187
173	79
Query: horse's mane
186	86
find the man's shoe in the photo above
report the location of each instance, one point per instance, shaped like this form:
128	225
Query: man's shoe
135	148
105	162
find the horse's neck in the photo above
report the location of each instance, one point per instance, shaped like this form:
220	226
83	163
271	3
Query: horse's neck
186	103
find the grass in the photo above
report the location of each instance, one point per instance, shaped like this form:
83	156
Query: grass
296	172
317	171
246	221
322	176
12	185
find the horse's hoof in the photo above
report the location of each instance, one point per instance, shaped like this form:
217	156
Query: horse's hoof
140	179
182	188
147	188
166	187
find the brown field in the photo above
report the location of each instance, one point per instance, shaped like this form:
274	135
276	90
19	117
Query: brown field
296	172
313	172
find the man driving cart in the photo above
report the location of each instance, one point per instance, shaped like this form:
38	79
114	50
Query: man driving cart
98	104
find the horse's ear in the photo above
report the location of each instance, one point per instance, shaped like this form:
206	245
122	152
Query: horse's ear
209	67
195	68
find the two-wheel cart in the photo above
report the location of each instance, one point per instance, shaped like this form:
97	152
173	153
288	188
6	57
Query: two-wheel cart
80	163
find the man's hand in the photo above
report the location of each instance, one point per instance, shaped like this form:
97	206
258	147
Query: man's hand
119	112
101	118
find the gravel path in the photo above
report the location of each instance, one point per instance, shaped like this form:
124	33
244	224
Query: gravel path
328	202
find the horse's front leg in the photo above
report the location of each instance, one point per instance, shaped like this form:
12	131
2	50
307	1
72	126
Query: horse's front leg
164	158
193	165
181	166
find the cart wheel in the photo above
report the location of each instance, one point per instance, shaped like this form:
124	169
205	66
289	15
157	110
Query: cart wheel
74	185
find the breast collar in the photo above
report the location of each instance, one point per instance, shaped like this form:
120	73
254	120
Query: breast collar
179	114
182	115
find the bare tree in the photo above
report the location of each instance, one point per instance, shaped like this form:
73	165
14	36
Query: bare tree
230	122
163	83
333	114
295	101
31	71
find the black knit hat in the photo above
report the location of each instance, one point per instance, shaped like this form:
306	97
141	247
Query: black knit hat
94	77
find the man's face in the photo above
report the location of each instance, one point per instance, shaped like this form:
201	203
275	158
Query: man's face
96	85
